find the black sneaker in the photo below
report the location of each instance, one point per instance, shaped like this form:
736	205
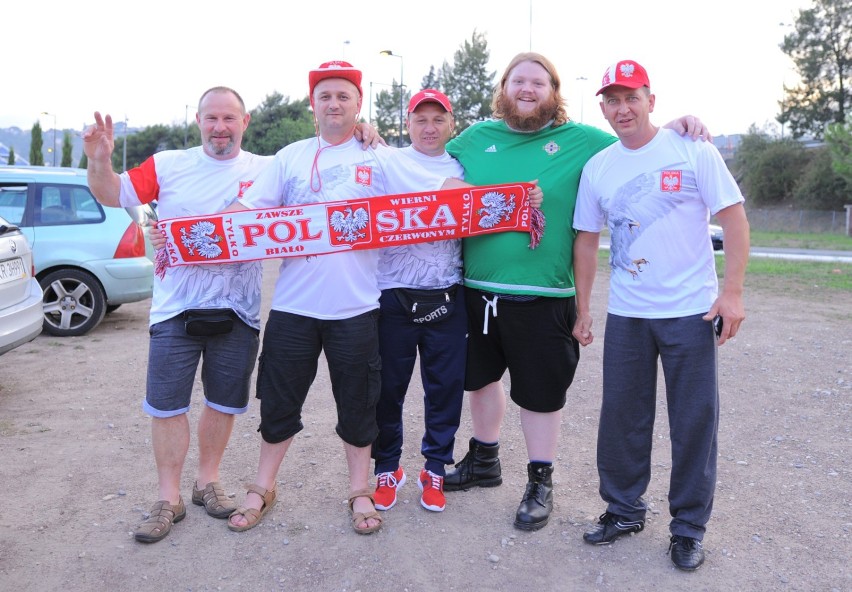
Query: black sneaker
610	527
686	552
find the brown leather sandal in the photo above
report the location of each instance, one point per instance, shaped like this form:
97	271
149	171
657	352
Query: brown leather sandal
251	515
159	522
359	517
214	500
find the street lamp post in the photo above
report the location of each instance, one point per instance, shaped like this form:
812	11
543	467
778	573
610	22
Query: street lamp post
124	155
582	80
53	149
371	97
388	52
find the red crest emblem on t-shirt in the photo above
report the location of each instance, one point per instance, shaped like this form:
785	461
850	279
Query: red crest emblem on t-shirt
364	175
243	186
670	180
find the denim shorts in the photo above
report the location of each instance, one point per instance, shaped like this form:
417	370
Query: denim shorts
288	366
227	364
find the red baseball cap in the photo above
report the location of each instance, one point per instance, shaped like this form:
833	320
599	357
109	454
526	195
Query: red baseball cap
624	73
429	95
335	69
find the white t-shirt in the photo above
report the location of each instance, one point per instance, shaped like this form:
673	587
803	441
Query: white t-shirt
191	183
657	202
338	285
436	264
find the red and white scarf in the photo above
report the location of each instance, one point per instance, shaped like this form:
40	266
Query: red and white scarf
369	223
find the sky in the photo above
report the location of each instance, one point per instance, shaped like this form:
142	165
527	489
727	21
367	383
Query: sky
149	62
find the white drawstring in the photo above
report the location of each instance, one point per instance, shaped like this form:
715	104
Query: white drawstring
489	304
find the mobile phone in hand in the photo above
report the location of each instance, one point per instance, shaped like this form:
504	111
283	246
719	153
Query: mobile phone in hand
717	325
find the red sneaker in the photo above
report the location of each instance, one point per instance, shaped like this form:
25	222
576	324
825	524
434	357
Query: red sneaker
432	486
387	484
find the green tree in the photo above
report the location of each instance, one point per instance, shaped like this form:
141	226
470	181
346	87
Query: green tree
838	138
469	84
277	122
84	162
820	187
821	48
767	170
67	148
387	115
431	80
36	144
11	160
145	142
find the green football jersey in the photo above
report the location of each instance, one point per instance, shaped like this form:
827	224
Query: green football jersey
491	154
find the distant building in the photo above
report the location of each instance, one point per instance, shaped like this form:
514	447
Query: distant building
727	145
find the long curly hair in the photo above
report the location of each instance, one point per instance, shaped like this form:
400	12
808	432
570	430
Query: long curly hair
561	116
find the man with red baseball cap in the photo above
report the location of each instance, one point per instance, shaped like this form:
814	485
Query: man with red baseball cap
335	69
655	192
626	73
328	303
429	274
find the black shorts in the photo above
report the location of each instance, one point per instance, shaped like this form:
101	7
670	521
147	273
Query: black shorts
531	339
288	365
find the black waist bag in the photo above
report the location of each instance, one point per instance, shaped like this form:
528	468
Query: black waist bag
427	306
204	322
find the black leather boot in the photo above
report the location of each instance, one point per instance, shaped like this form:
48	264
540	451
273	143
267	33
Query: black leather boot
479	468
537	503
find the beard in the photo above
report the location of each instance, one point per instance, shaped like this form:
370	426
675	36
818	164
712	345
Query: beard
221	150
528	121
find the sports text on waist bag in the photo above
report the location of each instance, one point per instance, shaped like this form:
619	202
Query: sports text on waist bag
427	306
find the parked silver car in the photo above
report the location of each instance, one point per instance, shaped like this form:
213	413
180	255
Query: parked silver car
89	259
20	294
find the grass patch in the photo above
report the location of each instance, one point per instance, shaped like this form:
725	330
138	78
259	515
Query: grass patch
797	276
807	278
794	240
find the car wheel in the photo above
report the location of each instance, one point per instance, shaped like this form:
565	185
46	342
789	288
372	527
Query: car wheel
74	302
111	307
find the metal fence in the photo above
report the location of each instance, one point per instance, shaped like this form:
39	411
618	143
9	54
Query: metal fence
804	221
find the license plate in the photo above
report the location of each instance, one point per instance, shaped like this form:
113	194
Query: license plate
11	270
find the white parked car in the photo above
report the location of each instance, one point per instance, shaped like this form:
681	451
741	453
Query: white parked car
20	293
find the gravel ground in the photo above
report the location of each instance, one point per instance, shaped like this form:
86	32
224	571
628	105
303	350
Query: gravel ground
79	475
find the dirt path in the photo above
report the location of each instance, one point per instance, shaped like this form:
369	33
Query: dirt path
77	473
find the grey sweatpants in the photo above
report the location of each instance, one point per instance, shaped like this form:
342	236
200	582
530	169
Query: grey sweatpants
687	349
